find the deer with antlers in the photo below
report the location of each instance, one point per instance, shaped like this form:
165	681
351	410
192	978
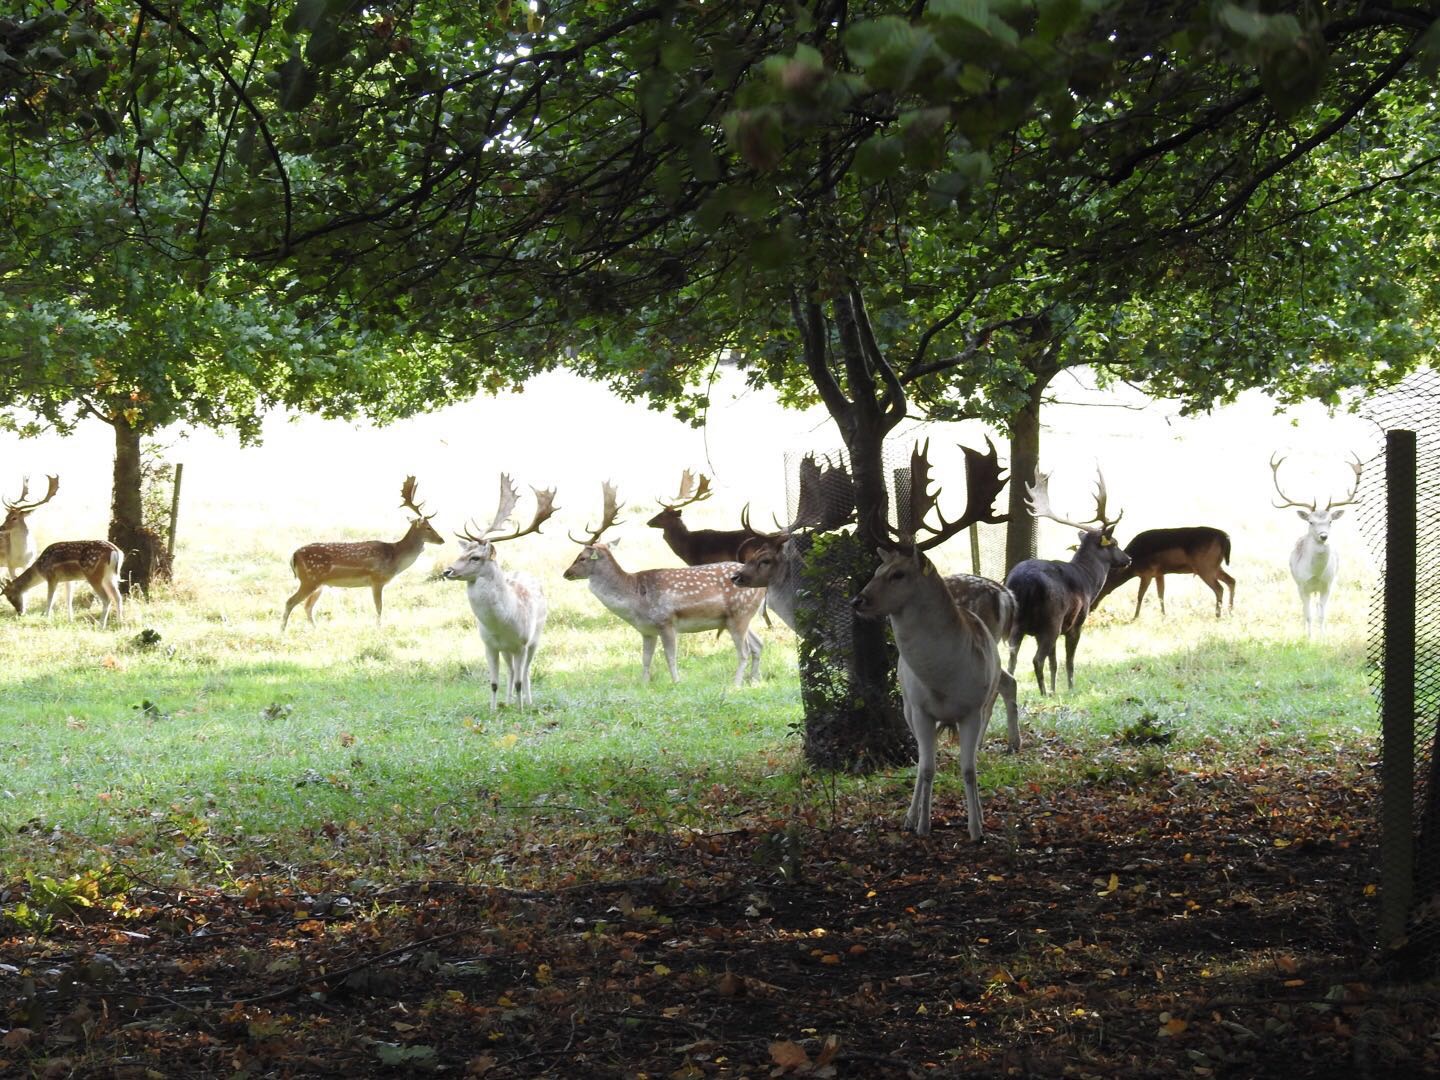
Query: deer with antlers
696	547
15	540
662	604
949	665
96	562
509	606
1314	562
355	564
1054	598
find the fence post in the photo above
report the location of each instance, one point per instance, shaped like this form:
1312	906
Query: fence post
1397	725
975	550
174	514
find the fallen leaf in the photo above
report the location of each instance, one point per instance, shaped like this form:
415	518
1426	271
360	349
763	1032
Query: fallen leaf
789	1055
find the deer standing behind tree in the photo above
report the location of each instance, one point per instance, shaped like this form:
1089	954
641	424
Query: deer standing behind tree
96	562
358	563
696	547
662	604
1314	561
1054	598
509	606
16	543
949	667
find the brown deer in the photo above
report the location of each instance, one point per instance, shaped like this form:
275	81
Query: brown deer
1314	561
16	544
662	604
1191	549
355	564
699	546
509	606
949	661
94	561
1054	598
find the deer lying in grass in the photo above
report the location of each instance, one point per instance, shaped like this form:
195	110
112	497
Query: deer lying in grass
949	661
698	546
509	606
662	604
17	547
1314	561
1192	549
355	564
1055	597
96	562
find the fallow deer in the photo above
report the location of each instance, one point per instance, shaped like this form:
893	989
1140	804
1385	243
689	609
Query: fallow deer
1190	549
949	665
358	563
509	606
1314	561
1055	597
96	562
696	546
16	544
662	604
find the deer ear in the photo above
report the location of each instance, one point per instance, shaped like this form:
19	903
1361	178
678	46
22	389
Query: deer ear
1083	533
613	544
1302	515
1335	514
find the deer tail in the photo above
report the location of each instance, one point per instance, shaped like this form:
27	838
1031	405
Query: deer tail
1225	547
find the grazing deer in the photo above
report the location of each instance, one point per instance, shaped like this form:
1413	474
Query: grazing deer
663	604
949	665
1055	597
509	606
1193	549
16	544
354	564
699	546
94	561
1314	562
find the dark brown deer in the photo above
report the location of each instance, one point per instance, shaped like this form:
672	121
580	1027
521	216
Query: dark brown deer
1191	549
696	547
1055	597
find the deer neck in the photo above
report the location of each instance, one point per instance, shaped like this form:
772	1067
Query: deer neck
613	586
408	547
1092	569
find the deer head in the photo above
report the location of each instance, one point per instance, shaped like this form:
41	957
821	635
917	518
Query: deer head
690	492
421	522
1318	521
1097	532
479	547
590	547
16	512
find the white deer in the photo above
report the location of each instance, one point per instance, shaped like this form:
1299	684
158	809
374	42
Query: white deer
662	604
1314	561
509	606
17	547
949	664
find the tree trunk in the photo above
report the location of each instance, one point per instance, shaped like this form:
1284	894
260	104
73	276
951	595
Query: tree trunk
1024	462
127	518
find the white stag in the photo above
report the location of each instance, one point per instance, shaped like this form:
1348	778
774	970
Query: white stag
17	548
509	606
662	604
949	665
1314	561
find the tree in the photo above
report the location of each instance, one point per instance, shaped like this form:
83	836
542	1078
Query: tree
871	204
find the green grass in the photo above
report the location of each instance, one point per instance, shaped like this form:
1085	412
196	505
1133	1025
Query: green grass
226	744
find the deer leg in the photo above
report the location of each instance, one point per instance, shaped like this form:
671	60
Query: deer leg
756	648
1140	596
669	638
512	679
70	600
1214	583
1305	608
742	650
647	653
1012	711
1160	592
971	729
1321	599
52	587
1230	581
376	588
918	816
492	660
1044	646
1015	651
1072	638
102	589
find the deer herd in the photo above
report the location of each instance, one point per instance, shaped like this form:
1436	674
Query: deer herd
948	629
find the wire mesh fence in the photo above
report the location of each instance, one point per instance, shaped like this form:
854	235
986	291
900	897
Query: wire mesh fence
1400	510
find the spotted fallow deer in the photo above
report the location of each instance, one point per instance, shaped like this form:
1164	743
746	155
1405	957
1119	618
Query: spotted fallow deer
358	563
17	547
96	562
1314	561
949	660
662	604
509	606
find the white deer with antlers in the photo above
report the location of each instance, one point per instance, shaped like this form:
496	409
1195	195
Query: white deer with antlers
949	661
509	606
662	604
16	544
355	564
1314	561
96	562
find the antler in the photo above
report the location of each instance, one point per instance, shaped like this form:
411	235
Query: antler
544	508
612	507
1275	463
407	498
982	481
1357	466
689	491
21	505
508	498
1038	497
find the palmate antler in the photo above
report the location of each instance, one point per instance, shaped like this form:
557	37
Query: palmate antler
544	508
407	499
983	483
21	505
612	508
690	492
1038	498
